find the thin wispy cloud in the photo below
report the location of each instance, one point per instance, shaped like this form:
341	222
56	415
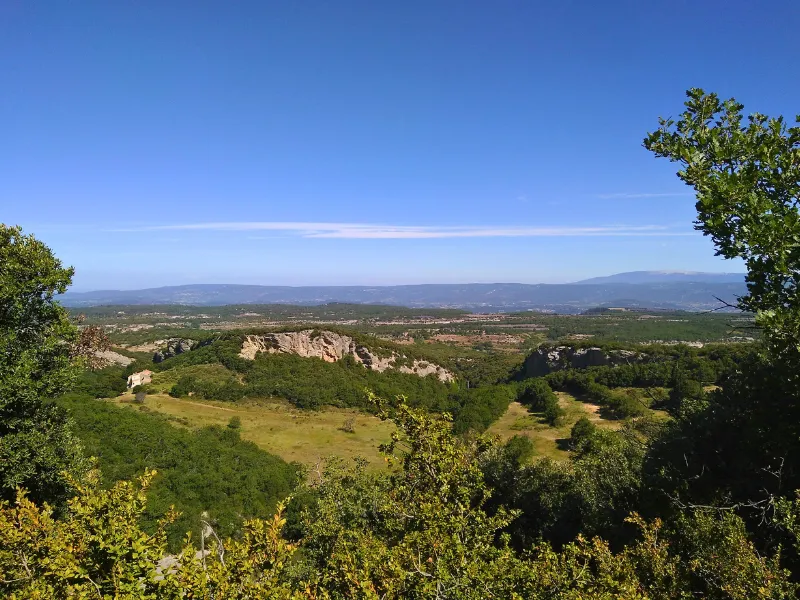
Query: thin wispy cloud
626	196
383	231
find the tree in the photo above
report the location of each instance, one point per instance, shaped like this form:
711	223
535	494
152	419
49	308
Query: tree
682	388
582	432
747	181
519	449
535	394
39	351
553	413
738	447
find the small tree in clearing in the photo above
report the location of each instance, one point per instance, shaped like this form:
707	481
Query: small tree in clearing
349	425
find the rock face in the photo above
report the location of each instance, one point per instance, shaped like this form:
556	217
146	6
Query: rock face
330	347
548	359
173	347
109	357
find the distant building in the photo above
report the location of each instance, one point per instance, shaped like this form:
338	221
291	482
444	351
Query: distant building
140	378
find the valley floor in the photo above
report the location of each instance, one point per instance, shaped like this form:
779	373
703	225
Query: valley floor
308	436
548	441
294	435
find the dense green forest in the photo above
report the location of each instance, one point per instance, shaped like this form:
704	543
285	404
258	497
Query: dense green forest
210	470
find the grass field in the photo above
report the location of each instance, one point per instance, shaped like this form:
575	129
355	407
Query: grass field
548	441
307	436
276	426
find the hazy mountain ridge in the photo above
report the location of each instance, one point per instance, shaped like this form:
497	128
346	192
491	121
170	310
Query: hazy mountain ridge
480	297
666	277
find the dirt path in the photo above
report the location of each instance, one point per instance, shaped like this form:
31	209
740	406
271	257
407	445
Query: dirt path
208	406
157	397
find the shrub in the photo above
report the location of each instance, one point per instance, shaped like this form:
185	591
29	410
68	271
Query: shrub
535	394
478	408
625	404
519	449
349	425
582	431
553	413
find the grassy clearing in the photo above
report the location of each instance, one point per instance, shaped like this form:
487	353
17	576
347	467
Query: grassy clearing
548	441
306	436
276	426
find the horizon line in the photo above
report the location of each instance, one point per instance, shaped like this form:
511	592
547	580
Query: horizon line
390	285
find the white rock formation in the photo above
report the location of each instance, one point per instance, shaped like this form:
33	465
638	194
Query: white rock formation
330	347
109	357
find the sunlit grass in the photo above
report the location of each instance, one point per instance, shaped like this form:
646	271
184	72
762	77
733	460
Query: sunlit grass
548	441
276	426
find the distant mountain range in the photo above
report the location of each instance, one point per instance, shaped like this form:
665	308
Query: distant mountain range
663	291
667	277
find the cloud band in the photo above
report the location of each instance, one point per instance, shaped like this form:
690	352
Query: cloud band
381	231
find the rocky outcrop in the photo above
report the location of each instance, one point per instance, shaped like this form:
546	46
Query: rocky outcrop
330	347
548	359
173	347
109	357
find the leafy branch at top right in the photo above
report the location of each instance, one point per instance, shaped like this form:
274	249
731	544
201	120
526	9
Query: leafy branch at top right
746	175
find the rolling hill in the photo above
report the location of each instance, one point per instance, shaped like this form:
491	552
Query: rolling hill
666	277
477	297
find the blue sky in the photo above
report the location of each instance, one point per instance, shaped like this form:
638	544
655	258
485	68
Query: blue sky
360	142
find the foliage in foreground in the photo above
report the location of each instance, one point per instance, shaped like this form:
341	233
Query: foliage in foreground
209	472
39	353
420	532
746	175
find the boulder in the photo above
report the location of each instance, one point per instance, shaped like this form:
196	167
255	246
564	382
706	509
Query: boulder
173	347
109	357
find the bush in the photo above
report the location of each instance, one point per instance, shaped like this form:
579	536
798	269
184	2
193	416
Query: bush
553	413
349	425
139	397
477	408
582	431
102	383
535	394
305	382
519	449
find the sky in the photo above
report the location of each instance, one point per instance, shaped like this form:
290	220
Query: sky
303	142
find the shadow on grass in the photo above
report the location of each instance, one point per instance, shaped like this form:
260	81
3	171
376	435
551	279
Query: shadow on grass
539	416
564	444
